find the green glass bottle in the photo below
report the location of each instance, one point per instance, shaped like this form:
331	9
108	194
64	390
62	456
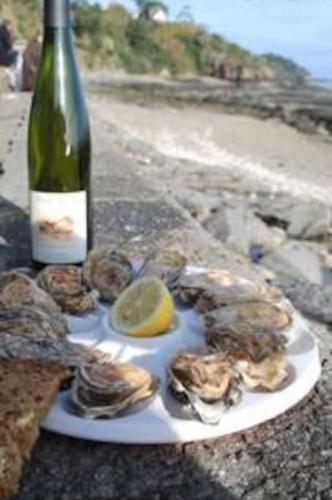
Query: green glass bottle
59	149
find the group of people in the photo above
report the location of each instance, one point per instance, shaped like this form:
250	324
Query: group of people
21	68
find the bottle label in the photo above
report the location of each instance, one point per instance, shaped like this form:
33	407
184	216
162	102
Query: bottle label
59	227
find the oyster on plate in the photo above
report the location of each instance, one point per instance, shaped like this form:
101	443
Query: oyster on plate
18	290
108	271
32	322
259	357
105	390
65	284
50	349
204	384
250	317
166	265
216	287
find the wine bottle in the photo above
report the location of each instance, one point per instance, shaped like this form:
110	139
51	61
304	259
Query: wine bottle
59	149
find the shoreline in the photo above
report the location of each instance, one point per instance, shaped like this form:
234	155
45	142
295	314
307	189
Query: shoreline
307	108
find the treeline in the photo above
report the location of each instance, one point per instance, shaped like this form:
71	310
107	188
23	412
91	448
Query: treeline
112	38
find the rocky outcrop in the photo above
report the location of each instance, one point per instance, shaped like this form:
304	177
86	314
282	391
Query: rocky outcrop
241	71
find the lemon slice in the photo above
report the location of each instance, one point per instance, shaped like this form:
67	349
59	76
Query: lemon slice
144	309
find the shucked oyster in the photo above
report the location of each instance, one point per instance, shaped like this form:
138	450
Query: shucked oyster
249	318
65	285
18	290
32	322
260	358
205	384
109	389
166	265
108	271
214	288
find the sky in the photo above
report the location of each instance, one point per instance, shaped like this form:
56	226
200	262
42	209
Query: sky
300	29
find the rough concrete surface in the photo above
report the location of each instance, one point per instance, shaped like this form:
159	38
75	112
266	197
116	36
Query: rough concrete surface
287	458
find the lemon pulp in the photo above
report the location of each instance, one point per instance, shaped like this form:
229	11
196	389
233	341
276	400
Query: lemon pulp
144	309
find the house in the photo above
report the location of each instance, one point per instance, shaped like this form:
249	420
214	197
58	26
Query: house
157	13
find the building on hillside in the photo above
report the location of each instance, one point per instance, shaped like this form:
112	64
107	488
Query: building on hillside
157	14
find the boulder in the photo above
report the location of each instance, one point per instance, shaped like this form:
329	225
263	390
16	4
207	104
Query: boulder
302	219
266	239
311	299
231	225
236	226
296	261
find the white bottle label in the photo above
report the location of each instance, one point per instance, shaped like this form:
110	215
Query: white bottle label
59	227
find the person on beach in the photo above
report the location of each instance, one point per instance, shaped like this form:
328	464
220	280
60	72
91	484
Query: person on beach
31	59
9	57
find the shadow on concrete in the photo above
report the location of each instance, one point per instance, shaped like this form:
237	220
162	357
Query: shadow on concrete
14	236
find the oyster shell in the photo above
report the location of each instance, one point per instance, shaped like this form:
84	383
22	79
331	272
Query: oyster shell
166	265
65	284
216	287
109	389
108	271
32	322
259	357
205	384
17	290
249	318
60	350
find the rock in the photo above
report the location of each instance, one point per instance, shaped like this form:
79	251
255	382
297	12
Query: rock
302	219
235	225
309	220
231	225
266	239
312	299
297	261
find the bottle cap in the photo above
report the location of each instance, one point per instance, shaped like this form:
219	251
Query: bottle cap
57	13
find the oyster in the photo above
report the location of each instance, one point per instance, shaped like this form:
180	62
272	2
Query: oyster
249	318
166	265
108	271
205	384
65	285
32	322
213	288
259	357
60	350
17	289
109	389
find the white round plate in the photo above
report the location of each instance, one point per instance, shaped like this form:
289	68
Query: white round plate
161	421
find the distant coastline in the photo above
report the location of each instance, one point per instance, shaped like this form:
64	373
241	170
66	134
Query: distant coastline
323	82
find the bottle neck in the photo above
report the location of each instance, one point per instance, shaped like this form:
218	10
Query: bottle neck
56	14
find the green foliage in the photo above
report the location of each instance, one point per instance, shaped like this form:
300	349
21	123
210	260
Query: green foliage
287	69
111	37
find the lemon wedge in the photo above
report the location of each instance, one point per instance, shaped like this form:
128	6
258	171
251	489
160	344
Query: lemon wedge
144	309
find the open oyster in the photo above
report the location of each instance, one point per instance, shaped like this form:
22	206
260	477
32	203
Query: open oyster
259	357
18	290
109	389
65	285
249	318
32	322
166	265
216	287
108	271
205	384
